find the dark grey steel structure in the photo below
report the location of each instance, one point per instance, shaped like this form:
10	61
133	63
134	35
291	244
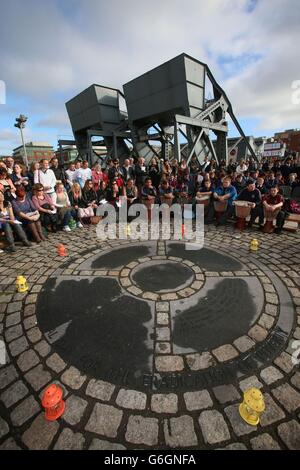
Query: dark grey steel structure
162	104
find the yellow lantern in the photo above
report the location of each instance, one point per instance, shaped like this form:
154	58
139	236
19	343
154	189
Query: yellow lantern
21	284
254	244
252	406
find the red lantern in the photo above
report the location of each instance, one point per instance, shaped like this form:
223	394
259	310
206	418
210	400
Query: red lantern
53	403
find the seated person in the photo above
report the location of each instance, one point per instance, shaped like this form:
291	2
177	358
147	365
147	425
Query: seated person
102	192
207	190
9	225
130	191
44	204
78	203
89	195
273	201
260	185
225	193
239	182
26	213
148	192
252	195
64	209
165	192
182	191
270	180
113	194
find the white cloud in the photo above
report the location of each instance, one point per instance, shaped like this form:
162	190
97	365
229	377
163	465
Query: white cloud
53	49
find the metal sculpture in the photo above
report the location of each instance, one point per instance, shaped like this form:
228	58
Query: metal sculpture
167	104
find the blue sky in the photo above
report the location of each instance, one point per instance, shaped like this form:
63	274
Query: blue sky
54	49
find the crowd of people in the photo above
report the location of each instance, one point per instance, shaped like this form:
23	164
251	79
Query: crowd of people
47	198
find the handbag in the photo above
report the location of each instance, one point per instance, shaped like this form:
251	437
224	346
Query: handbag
95	219
33	216
85	212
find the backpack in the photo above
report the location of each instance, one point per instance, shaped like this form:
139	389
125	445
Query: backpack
294	207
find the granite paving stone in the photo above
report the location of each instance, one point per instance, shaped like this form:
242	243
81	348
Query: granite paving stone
142	430
75	408
289	432
239	426
69	440
14	393
24	411
213	427
40	434
100	390
131	399
104	420
180	432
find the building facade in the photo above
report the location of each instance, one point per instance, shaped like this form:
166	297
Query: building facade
36	151
291	138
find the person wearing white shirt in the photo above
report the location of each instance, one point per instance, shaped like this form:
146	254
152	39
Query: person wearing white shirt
83	174
241	167
46	177
71	174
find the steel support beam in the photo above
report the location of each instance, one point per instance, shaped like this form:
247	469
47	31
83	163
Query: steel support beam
195	144
198	123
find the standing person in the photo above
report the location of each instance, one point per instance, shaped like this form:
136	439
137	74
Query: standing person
58	170
18	177
140	173
114	170
70	174
206	165
97	176
154	172
9	224
242	167
45	176
183	171
9	161
127	170
6	185
83	173
26	213
34	166
194	165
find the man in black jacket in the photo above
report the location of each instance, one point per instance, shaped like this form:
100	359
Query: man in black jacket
59	171
252	195
127	170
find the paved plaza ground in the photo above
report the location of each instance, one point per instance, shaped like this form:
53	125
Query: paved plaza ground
153	344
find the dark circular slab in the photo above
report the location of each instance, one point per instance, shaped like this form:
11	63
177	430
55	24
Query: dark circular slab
162	276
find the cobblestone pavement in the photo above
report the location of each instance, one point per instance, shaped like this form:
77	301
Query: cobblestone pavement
201	414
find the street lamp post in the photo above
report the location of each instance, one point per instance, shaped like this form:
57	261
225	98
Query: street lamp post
21	124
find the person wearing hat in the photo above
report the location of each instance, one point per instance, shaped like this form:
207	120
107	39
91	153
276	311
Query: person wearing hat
252	195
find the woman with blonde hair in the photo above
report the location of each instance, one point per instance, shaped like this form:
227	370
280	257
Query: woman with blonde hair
77	202
62	203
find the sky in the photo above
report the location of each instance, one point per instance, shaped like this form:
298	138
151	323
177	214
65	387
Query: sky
51	50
